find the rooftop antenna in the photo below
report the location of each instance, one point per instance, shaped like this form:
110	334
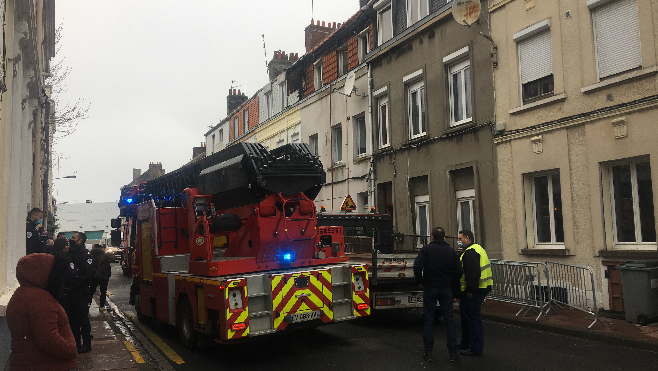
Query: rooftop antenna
265	50
311	9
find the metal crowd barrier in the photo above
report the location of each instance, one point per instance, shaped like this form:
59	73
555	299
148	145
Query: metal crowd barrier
520	283
573	286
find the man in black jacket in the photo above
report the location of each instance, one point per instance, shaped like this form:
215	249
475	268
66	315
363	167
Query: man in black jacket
102	272
35	242
77	287
436	268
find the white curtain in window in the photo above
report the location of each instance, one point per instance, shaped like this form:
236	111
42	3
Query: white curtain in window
535	57
617	34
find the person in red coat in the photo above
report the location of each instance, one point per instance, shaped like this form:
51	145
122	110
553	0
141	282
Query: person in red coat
41	338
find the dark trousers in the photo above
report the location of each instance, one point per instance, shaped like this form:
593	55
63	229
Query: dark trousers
78	313
103	285
444	297
470	310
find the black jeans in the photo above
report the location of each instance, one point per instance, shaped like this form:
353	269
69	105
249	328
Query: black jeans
78	313
103	285
470	310
444	297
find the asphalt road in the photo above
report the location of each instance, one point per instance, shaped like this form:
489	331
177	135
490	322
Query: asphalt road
392	340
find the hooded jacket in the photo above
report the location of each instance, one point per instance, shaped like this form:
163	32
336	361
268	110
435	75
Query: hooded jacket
41	338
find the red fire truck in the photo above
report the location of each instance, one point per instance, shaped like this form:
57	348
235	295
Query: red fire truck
229	247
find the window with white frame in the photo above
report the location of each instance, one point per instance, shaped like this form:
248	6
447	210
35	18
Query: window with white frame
460	93
536	66
633	215
385	24
245	120
317	74
313	144
221	135
337	143
416	10
236	127
212	149
268	101
616	36
422	206
383	120
343	61
416	109
282	95
547	210
466	209
360	136
364	44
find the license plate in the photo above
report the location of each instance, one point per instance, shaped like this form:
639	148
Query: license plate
415	299
301	317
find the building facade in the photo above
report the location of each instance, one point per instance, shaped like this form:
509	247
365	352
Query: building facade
576	98
432	109
29	45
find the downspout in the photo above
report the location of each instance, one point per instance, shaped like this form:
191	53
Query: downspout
347	146
331	151
372	135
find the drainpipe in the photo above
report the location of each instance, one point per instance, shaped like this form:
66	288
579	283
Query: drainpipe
347	147
331	150
372	150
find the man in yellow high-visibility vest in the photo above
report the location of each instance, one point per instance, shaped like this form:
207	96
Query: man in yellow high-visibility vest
475	285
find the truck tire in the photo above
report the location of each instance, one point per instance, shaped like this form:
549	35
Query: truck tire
185	323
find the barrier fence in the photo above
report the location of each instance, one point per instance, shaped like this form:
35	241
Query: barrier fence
539	286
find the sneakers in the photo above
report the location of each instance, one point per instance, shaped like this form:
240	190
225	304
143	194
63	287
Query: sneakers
470	353
462	347
427	357
453	358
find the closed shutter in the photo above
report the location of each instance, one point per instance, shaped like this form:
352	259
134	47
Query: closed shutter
617	33
536	57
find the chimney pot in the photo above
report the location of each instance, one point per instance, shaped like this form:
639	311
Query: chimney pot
234	92
333	25
239	92
338	25
322	23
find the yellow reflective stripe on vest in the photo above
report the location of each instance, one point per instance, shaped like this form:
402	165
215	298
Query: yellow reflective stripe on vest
486	276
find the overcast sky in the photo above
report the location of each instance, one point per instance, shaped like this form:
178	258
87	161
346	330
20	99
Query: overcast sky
157	72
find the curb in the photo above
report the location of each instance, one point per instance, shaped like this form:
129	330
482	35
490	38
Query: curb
578	333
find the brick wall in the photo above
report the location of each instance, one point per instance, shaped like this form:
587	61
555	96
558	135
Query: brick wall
329	68
310	84
353	52
372	37
253	113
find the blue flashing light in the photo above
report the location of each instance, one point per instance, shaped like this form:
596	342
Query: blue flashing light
129	200
287	256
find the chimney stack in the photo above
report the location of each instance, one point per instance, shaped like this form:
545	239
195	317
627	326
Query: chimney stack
315	33
234	99
136	174
279	63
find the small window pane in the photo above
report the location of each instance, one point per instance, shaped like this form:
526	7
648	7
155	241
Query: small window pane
467	87
542	209
384	125
645	198
465	209
422	220
422	110
623	195
557	208
361	128
457	97
414	113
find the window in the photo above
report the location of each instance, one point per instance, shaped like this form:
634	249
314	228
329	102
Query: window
536	66
337	143
422	218
221	135
384	127
632	203
465	209
547	209
616	36
236	127
343	61
313	144
385	22
245	120
460	93
212	149
416	109
416	10
360	136
364	44
268	101
317	74
282	95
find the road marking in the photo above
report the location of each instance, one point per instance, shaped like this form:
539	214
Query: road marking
134	352
170	353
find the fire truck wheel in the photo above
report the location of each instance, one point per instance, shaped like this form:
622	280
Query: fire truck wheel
185	323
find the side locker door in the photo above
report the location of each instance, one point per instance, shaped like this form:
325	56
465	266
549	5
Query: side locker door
147	269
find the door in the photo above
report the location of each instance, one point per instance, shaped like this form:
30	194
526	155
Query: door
147	269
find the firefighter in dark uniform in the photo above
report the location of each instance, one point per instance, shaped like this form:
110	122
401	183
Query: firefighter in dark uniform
77	291
35	242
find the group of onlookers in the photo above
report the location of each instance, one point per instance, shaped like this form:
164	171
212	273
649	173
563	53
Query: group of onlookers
48	315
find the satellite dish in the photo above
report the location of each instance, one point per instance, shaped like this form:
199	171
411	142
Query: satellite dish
466	12
349	83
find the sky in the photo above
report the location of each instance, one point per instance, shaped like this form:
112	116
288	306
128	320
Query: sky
156	74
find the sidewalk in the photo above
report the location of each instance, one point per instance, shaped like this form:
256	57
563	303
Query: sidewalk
113	348
574	323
